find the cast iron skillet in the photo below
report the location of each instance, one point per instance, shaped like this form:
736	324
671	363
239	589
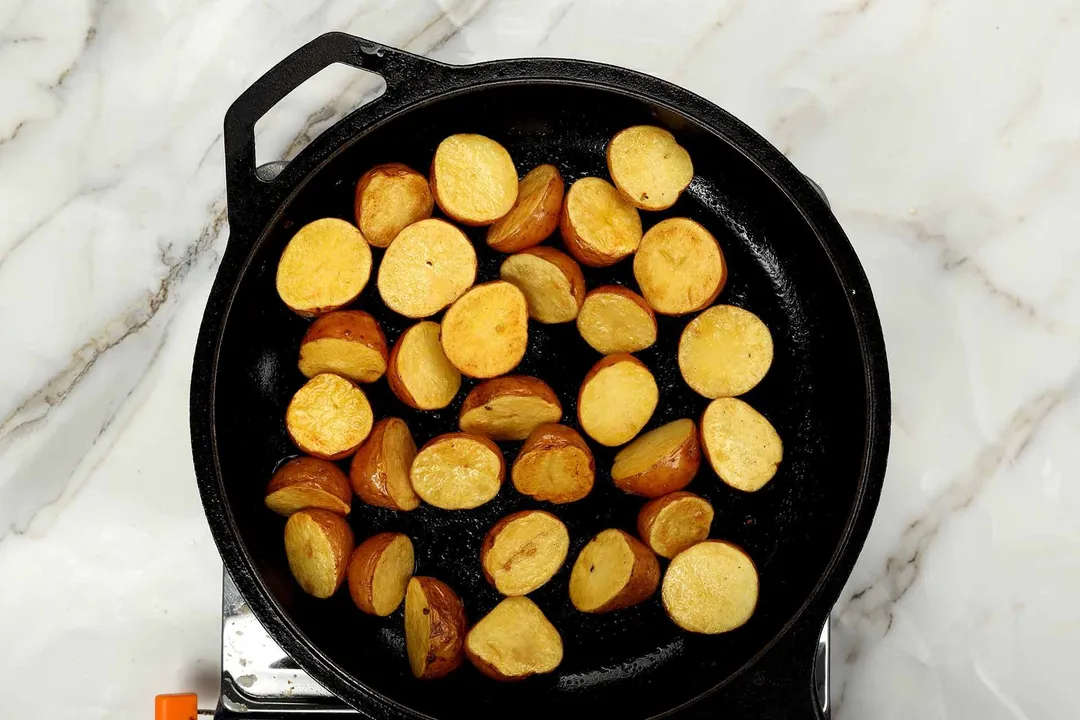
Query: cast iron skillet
827	394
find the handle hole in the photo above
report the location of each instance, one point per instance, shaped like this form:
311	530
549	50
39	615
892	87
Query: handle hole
306	112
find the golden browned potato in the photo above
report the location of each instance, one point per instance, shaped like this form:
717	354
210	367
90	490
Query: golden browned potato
473	179
317	545
514	641
380	467
648	166
523	551
388	198
329	417
598	225
418	372
325	266
307	482
616	400
710	588
616	320
613	571
434	628
679	267
551	281
740	444
724	351
486	330
349	343
428	265
534	216
672	523
660	461
554	464
458	471
379	570
509	407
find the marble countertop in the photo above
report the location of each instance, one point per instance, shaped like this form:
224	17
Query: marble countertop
945	132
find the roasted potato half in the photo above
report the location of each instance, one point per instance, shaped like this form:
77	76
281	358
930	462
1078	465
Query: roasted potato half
534	216
390	197
613	320
514	641
458	471
710	588
324	267
317	545
553	284
554	464
679	267
616	400
724	351
598	225
434	628
380	468
307	482
740	444
649	166
328	417
379	570
509	407
349	343
428	265
486	330
523	551
613	571
418	372
672	523
660	461
473	179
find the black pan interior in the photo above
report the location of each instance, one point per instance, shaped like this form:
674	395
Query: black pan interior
635	659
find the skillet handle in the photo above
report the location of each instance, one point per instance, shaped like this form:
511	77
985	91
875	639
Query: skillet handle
405	75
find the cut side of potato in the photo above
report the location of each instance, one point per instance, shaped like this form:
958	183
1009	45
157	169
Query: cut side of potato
711	588
551	281
598	225
390	197
473	179
613	571
509	407
613	320
724	351
458	471
380	468
486	330
672	523
534	216
379	570
514	641
418	372
555	464
660	461
434	628
307	482
317	546
428	265
616	400
679	267
649	166
328	417
325	266
523	551
740	444
349	343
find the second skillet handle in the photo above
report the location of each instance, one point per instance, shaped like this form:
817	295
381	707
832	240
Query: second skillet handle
405	74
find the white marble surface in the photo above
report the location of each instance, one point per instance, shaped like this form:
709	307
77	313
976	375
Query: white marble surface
946	133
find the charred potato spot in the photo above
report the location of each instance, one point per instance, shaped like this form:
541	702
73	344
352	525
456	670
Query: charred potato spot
380	468
388	198
523	551
711	588
514	641
428	265
326	265
553	284
741	445
317	547
672	523
457	471
485	331
598	225
613	571
660	461
434	628
649	167
419	373
307	482
473	179
509	408
554	465
616	400
328	417
616	320
679	267
534	216
349	343
724	351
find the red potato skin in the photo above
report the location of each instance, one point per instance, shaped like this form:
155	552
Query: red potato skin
479	438
313	473
490	670
552	436
447	627
493	533
604	363
651	510
539	225
367	474
355	325
508	386
629	295
670	474
644	578
566	266
362	564
393	378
